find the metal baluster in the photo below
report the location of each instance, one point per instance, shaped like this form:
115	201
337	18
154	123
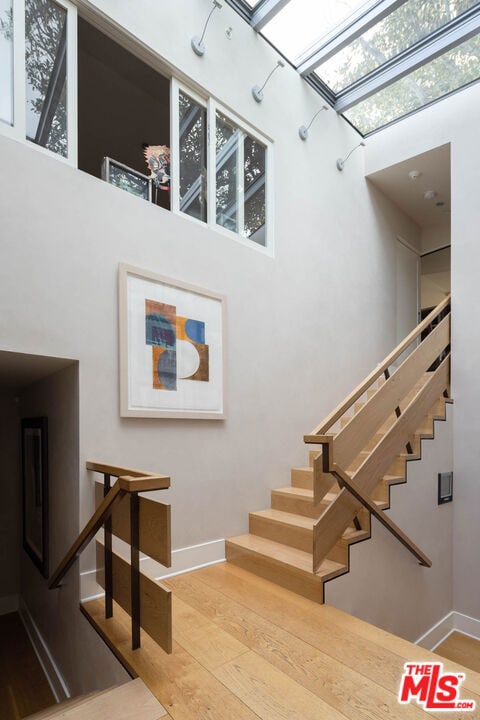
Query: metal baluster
398	412
108	555
135	568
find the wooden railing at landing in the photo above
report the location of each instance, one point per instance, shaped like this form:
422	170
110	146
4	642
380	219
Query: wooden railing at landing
430	359
126	526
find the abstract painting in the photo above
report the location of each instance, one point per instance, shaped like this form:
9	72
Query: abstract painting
35	491
171	348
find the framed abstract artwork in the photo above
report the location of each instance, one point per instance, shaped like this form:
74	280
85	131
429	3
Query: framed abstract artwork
172	348
35	491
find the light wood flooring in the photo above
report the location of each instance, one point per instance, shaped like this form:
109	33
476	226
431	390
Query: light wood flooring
462	649
245	649
23	686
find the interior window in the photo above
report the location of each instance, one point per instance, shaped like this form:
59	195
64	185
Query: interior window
240	181
123	117
193	157
46	74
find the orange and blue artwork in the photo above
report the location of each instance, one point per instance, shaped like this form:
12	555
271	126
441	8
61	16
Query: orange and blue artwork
179	351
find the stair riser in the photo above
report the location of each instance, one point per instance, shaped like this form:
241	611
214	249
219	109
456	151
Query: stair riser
339	553
302	478
398	467
297	506
297	537
308	585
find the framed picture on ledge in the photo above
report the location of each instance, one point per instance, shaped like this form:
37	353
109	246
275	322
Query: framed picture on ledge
35	491
172	348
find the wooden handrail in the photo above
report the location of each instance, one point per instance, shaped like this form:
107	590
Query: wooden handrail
101	514
379	370
354	436
356	490
382	517
118	471
129	481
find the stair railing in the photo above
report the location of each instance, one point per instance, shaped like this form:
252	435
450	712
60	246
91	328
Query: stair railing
430	359
129	482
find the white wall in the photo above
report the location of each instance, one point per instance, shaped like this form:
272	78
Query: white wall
386	586
434	237
302	327
10	506
82	659
455	120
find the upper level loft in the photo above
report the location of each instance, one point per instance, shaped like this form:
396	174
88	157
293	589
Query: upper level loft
75	93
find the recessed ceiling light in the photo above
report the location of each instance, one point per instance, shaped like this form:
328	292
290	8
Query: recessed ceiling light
414	174
429	195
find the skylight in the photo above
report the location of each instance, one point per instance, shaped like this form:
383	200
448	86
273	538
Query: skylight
375	61
302	23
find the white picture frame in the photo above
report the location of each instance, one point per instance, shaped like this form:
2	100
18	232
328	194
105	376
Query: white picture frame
172	348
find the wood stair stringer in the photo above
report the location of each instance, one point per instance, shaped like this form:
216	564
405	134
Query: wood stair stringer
279	546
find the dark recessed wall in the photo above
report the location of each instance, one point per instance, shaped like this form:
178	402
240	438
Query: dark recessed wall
122	103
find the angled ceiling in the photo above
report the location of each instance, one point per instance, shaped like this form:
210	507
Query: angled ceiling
409	193
375	61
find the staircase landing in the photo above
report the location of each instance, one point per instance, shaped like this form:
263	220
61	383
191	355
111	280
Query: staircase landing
246	648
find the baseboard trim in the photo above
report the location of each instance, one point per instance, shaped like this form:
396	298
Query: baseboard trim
183	560
57	683
9	604
193	558
452	622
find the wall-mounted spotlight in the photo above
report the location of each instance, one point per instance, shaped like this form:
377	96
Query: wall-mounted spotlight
341	163
257	91
303	129
198	46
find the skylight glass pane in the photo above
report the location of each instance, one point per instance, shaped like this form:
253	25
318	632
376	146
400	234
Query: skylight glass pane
447	73
302	22
411	22
252	3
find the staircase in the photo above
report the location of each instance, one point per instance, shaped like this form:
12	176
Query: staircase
303	539
131	701
128	519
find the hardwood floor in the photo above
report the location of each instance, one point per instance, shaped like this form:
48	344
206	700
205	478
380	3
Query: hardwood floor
23	686
462	649
245	649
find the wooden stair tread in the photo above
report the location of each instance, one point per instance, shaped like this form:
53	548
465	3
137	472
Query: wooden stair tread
285	517
61	707
131	701
304	494
351	535
298	559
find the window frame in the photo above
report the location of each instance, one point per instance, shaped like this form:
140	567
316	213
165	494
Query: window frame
212	106
17	130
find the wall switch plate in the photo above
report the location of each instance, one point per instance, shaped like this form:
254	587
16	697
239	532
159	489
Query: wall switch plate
445	487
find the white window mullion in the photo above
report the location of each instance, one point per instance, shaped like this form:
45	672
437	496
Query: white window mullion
72	72
240	189
269	200
175	146
211	164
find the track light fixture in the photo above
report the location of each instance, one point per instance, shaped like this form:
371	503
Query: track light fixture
257	91
198	45
303	129
341	163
